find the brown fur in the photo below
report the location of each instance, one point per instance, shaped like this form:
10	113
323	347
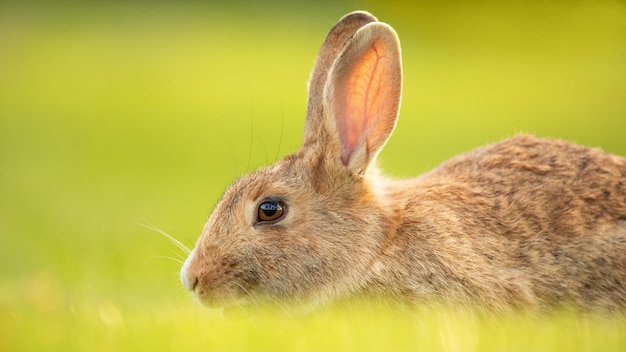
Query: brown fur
526	222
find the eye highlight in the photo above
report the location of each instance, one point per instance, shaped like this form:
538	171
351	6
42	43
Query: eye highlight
270	210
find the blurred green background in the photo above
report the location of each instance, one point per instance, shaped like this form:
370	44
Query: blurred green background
118	114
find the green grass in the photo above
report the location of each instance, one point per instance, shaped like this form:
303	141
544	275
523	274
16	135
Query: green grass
113	116
113	326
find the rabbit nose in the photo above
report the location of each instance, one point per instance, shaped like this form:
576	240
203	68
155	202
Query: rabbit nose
189	282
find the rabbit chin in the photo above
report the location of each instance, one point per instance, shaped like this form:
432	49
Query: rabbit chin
227	299
249	301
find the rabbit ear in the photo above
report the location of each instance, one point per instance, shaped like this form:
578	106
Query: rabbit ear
331	47
363	93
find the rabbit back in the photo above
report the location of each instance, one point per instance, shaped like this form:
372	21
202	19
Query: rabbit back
527	221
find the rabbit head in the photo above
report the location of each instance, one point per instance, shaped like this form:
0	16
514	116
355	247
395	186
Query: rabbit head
310	227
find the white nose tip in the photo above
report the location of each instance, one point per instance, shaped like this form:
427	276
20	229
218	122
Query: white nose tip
188	282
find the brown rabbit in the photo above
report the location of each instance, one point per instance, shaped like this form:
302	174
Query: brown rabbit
526	222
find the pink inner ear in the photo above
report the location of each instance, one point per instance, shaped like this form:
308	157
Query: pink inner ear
366	94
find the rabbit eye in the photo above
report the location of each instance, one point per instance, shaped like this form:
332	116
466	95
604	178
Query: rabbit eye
270	210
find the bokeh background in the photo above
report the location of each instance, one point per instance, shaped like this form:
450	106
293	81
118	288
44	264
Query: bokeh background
118	114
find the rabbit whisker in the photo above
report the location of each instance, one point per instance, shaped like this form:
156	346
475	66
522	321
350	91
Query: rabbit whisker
169	258
251	132
231	149
262	145
176	242
253	300
281	307
282	125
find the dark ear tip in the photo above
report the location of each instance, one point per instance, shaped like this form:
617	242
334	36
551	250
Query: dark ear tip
381	29
360	16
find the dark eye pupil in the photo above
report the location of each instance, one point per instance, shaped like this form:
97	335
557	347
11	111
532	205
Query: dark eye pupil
270	211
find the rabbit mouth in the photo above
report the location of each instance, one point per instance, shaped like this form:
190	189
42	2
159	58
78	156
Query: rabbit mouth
225	302
235	296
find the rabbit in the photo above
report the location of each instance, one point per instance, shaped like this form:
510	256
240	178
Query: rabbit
524	223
